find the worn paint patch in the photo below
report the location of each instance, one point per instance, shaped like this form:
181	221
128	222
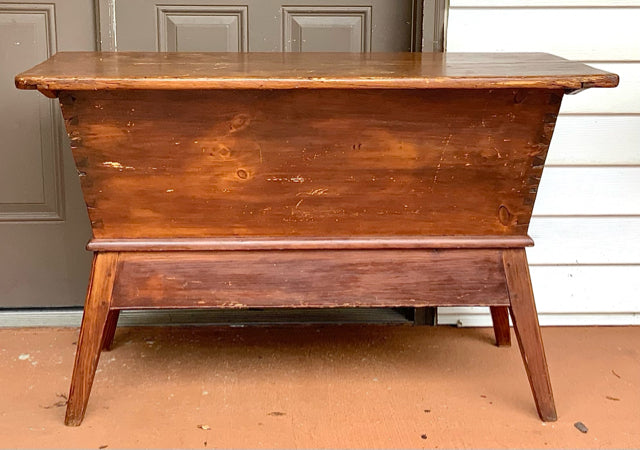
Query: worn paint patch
113	164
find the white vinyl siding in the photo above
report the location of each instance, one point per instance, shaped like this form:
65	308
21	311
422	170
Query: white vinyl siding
595	140
624	99
573	33
587	240
589	191
585	266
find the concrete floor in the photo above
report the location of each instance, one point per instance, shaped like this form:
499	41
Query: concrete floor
347	386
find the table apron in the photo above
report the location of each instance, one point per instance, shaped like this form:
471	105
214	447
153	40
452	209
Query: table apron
310	279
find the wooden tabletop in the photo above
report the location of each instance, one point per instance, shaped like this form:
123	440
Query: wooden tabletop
129	70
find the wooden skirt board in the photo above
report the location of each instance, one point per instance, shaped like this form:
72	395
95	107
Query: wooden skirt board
299	180
309	279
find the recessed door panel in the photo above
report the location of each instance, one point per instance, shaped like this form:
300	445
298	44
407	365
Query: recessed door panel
327	29
202	28
261	25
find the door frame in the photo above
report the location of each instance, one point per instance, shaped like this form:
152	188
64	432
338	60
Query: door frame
428	34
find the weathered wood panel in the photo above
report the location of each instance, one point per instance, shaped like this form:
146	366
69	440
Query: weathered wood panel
310	162
310	278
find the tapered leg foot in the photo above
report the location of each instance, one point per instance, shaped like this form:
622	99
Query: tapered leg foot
500	317
527	329
110	329
92	331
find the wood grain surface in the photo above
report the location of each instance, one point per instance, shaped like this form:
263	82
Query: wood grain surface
123	70
501	328
309	278
525	324
310	163
92	331
110	329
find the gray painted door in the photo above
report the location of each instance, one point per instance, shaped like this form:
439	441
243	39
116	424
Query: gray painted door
43	222
260	25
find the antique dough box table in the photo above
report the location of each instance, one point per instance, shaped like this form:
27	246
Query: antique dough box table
309	180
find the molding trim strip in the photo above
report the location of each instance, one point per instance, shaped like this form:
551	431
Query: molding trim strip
72	318
546	319
278	243
106	40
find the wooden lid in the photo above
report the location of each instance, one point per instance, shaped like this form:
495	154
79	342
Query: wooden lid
129	70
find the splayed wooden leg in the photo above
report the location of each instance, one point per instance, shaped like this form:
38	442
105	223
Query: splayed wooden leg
525	323
92	331
501	329
110	329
